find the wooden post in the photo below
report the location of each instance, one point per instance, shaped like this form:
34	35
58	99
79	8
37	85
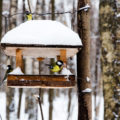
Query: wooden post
19	59
83	64
63	55
19	63
40	59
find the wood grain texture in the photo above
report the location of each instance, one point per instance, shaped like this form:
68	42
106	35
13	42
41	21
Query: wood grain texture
19	59
41	81
36	52
63	55
37	45
40	59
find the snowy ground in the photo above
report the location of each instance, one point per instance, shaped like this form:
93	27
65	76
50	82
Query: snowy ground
60	109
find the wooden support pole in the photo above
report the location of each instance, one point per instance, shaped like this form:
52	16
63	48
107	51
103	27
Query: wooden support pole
19	59
63	55
19	63
40	59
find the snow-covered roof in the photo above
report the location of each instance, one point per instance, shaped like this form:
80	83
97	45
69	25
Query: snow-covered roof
42	32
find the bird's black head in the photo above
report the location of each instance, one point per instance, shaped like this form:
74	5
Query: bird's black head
59	63
9	67
27	12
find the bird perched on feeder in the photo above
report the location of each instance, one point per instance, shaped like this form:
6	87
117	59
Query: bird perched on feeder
9	69
28	15
56	67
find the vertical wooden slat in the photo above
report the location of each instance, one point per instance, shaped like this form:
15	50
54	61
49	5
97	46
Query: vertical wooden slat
19	59
40	59
63	55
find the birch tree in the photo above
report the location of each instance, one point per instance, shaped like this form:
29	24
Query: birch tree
1	2
10	109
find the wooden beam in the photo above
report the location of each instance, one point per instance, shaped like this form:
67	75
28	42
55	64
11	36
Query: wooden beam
36	52
63	55
40	59
4	45
19	59
39	81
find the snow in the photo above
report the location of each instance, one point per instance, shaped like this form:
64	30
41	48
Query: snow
118	15
5	13
17	71
88	79
100	103
2	106
85	8
42	32
87	90
65	71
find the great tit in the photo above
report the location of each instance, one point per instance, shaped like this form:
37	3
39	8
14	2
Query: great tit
28	15
56	67
9	69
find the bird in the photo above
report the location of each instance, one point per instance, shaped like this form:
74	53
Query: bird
9	69
28	15
56	67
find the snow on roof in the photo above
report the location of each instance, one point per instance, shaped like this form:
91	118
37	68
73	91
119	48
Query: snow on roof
42	32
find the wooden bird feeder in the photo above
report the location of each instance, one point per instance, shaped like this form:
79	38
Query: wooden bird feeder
46	39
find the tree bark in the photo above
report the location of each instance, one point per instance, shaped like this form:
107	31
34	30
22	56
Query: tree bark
51	91
1	2
83	64
109	35
1	72
10	108
13	10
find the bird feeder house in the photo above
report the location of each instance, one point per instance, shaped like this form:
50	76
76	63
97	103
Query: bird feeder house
41	39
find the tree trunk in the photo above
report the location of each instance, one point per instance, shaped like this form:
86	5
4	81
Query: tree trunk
95	51
1	72
109	35
1	2
51	91
31	106
10	108
13	10
83	64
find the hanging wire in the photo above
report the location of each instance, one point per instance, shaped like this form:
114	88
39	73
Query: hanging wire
85	8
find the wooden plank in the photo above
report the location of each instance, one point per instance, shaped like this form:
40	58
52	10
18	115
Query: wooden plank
39	81
19	58
36	52
63	55
40	59
41	45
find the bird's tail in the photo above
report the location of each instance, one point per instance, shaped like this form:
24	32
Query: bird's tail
50	66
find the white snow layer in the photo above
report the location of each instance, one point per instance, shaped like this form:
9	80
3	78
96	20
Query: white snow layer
87	90
65	71
42	32
88	79
17	71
